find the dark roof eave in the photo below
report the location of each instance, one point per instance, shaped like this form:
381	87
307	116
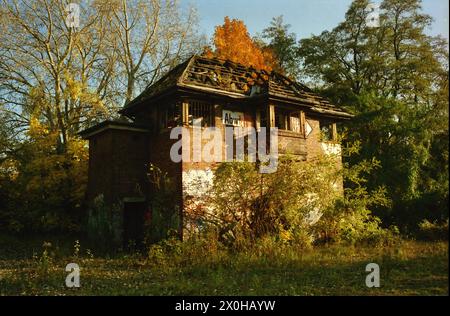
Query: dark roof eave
312	106
87	133
132	107
328	112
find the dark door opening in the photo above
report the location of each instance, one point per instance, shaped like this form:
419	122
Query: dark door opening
133	224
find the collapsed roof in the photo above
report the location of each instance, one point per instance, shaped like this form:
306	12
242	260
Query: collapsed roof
223	77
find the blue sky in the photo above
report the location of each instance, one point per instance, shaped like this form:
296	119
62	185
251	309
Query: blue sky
305	16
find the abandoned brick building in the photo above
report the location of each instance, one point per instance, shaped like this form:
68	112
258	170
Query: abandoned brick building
205	90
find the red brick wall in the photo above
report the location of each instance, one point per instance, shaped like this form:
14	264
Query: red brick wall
119	159
117	165
291	143
313	143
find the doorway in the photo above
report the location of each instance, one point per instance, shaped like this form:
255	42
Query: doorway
133	224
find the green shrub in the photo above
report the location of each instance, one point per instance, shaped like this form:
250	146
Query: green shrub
44	262
433	230
200	249
250	205
301	204
165	210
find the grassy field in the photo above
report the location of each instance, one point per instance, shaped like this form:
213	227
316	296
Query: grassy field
410	268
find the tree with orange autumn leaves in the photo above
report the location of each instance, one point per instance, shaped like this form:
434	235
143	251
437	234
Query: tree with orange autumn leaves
233	42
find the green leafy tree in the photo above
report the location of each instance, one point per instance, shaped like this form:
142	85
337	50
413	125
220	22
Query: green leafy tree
283	45
43	189
395	79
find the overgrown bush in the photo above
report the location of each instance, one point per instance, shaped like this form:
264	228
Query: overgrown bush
302	203
350	219
165	211
44	262
199	249
41	186
433	230
244	204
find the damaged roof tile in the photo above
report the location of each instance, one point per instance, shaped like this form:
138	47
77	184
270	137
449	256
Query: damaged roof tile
226	77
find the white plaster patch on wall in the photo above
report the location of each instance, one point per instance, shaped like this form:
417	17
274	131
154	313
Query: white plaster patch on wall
315	214
336	186
197	182
331	149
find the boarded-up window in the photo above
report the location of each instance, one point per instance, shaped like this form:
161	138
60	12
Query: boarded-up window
201	114
295	124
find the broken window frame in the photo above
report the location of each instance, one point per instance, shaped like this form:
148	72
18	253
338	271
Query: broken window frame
328	131
171	115
203	110
286	120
